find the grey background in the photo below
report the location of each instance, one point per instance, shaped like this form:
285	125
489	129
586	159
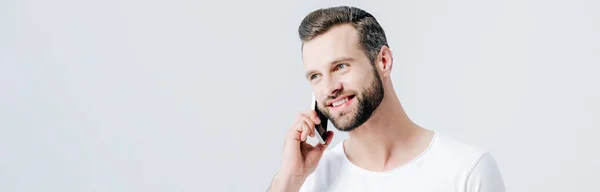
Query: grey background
136	95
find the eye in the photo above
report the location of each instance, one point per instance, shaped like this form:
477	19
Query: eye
313	76
341	66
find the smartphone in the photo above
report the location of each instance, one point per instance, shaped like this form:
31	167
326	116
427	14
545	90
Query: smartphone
322	127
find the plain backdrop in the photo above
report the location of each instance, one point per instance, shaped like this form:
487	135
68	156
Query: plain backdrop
185	95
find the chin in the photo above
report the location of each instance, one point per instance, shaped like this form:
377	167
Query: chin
345	123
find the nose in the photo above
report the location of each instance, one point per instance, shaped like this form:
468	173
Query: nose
332	87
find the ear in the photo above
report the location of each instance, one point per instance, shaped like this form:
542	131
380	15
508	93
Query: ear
385	61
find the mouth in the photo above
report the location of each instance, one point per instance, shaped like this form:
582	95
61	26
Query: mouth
341	102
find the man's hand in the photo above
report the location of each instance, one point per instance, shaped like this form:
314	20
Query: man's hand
299	159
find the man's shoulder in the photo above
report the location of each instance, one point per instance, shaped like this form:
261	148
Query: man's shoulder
473	165
452	145
451	151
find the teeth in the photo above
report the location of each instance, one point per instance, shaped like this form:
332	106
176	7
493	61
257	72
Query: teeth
340	102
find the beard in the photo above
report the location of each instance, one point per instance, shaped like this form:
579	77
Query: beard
368	100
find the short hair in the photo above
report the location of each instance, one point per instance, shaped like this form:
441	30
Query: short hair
371	36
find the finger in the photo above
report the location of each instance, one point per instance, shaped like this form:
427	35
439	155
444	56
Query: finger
327	140
310	124
305	131
312	114
297	129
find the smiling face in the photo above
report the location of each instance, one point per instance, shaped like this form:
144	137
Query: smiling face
347	86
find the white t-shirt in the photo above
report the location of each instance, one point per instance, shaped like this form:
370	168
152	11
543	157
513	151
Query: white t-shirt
446	165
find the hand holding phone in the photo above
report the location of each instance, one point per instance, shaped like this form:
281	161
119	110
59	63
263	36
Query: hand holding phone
300	158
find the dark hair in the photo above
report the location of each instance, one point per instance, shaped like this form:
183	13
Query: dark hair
371	36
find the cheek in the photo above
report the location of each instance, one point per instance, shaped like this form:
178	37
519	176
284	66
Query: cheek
355	81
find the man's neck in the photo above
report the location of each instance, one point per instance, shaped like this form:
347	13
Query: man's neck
387	140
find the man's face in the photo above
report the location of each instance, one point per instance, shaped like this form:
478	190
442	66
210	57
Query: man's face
346	85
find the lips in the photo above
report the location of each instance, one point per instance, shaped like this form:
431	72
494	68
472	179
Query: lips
339	101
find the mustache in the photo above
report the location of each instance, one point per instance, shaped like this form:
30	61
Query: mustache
338	94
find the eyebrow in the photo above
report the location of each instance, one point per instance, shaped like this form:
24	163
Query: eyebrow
339	60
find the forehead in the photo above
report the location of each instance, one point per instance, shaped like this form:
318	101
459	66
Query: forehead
338	42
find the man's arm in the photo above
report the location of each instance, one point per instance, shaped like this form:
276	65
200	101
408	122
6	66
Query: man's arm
485	176
285	183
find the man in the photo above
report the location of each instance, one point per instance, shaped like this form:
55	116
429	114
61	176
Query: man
348	63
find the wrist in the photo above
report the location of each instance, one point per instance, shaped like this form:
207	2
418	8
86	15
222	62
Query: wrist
286	182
